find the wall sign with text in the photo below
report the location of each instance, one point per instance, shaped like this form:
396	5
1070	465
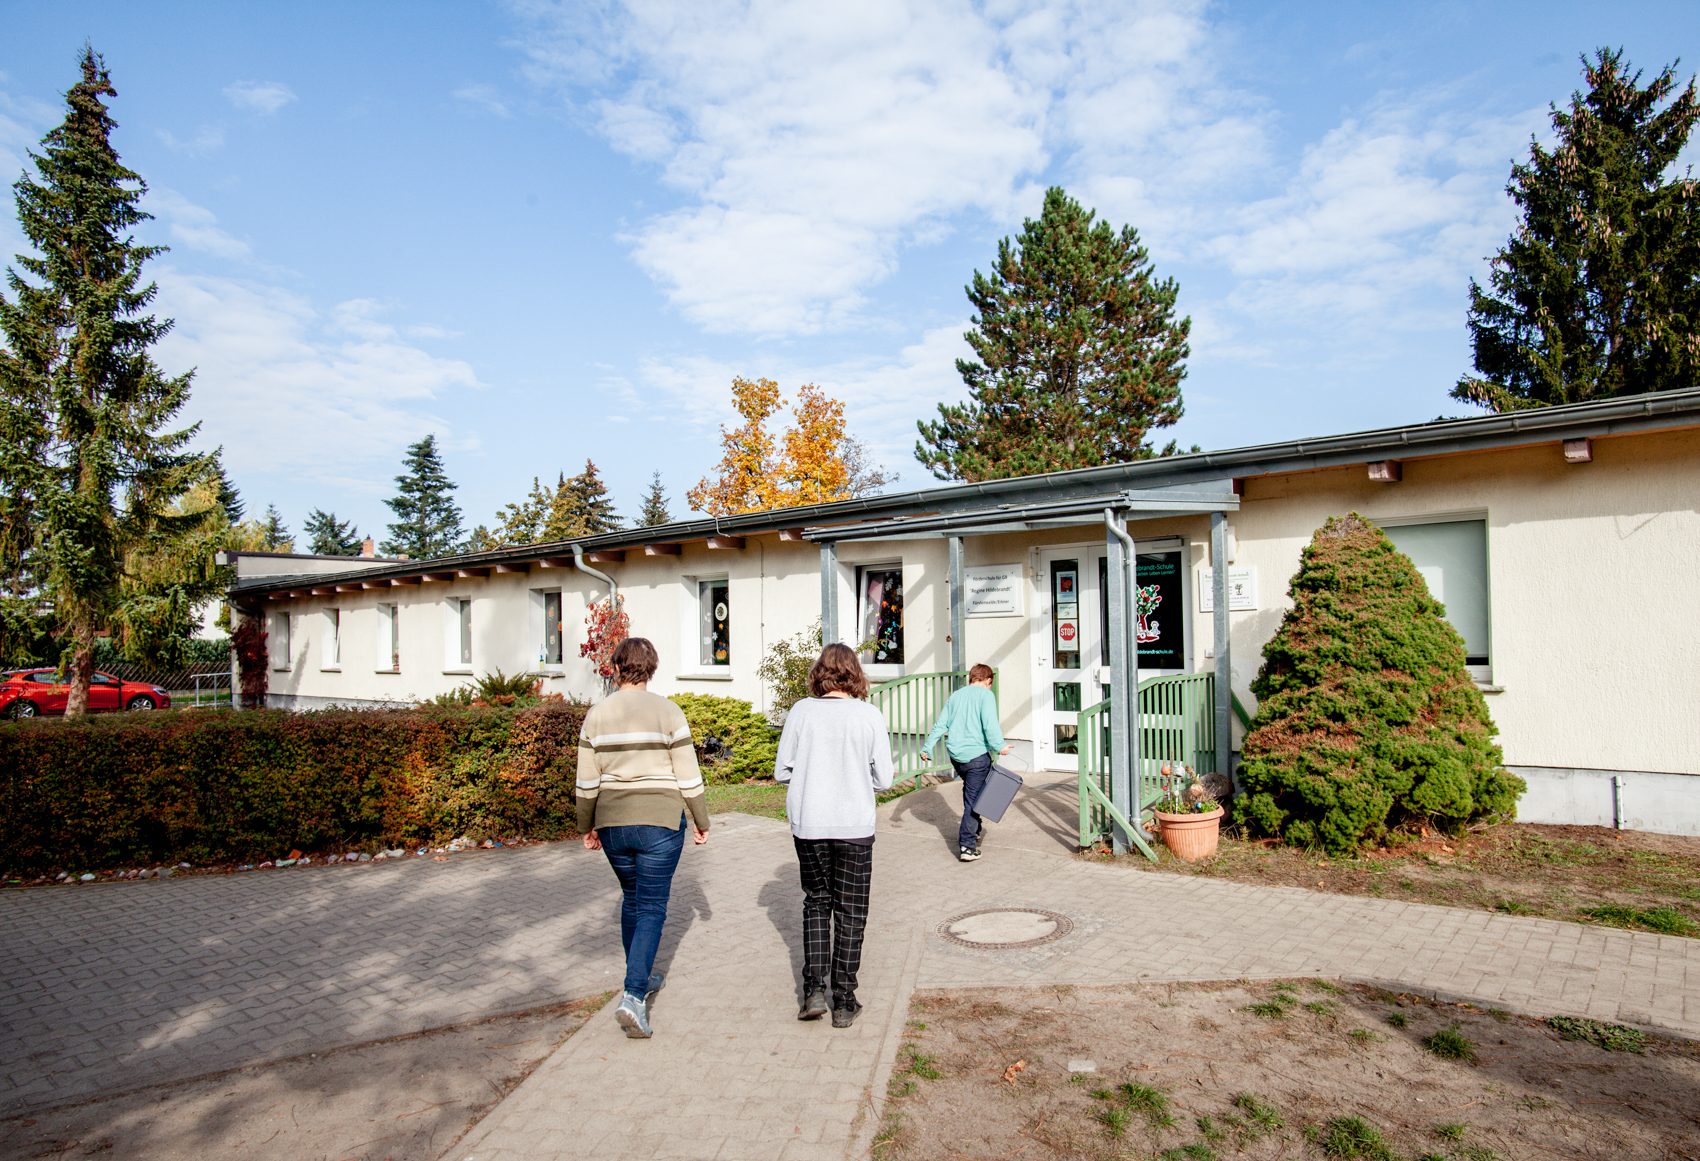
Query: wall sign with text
1242	589
993	590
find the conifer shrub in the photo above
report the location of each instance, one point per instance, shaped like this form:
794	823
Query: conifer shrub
732	741
1367	717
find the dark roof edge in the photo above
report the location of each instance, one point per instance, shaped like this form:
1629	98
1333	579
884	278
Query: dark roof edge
1654	411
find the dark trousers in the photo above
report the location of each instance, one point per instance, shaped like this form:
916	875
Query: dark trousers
644	859
973	773
836	876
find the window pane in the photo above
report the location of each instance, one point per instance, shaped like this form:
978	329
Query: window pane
1065	696
714	597
882	615
1103	610
1065	615
552	628
1452	558
466	632
1068	739
392	622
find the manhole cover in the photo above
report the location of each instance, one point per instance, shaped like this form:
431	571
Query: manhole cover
1006	927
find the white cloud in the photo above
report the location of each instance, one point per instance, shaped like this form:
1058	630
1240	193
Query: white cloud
209	138
194	226
485	97
264	97
291	393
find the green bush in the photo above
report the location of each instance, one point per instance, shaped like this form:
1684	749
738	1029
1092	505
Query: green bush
732	742
1367	716
210	786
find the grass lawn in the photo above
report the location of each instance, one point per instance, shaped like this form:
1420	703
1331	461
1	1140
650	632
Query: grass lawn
1585	874
765	798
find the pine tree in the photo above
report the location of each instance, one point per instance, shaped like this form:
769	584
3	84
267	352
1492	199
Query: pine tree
587	509
427	518
274	533
1367	715
328	536
77	377
1598	292
654	511
228	497
1080	354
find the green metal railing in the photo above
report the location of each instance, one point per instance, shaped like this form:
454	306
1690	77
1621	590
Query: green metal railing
1177	725
911	705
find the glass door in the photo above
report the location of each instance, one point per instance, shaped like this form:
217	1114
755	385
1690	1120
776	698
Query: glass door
1072	666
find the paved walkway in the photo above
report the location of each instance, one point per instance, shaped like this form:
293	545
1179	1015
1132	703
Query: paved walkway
732	1074
115	986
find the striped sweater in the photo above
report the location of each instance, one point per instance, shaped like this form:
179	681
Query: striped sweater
636	764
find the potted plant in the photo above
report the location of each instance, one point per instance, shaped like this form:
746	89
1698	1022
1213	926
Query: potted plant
1190	819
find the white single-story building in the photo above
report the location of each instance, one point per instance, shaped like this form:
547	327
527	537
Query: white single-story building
1564	542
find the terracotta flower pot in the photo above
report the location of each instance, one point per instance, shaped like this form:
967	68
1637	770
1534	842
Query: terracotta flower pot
1191	836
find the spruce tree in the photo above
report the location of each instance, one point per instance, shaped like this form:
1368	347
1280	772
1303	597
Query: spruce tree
274	533
77	377
427	518
228	497
587	508
328	536
1366	713
1598	292
654	511
1080	354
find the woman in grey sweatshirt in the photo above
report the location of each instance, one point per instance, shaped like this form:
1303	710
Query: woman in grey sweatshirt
836	756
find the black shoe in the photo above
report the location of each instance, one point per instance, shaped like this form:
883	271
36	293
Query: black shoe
844	1017
814	1005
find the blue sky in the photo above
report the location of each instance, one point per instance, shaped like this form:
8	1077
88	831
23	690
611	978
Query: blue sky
552	232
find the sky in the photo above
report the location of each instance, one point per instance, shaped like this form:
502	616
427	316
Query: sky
550	232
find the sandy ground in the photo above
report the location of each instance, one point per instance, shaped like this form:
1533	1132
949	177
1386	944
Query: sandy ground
1307	1069
406	1099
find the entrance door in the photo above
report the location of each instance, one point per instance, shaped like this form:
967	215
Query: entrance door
1072	662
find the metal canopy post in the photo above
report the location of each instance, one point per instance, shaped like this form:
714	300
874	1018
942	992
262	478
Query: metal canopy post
958	609
1224	672
828	592
1124	697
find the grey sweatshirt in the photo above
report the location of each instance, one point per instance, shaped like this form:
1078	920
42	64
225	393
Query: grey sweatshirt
836	755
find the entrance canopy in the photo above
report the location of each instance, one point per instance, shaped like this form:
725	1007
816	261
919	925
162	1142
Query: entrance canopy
1111	510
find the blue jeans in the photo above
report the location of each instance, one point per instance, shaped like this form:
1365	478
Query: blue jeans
973	773
644	859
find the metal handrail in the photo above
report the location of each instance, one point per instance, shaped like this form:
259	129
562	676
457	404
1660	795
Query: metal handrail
911	704
1177	724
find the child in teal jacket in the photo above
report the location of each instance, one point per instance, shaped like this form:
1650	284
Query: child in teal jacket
969	725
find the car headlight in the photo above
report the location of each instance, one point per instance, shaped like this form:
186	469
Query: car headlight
157	690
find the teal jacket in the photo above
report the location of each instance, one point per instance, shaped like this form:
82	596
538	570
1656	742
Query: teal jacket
970	719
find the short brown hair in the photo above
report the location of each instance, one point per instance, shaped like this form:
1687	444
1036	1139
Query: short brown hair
837	669
634	661
980	672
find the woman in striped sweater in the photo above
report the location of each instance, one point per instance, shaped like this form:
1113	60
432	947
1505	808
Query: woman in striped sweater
637	776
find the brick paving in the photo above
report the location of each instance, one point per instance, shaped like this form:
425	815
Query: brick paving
116	986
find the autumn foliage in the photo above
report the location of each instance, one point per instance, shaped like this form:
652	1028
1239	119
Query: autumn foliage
810	463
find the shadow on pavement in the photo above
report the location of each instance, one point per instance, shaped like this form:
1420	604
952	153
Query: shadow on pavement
782	898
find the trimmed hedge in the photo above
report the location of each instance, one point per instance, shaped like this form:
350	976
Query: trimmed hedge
209	786
745	745
1367	716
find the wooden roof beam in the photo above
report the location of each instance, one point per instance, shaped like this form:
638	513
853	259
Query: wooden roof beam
607	556
726	542
522	569
663	550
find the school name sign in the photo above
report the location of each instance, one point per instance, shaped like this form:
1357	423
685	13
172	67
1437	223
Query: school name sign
994	590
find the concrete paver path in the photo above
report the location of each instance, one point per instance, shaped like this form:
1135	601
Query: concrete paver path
732	1074
113	987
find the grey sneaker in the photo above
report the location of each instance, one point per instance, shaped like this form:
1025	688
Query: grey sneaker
968	854
814	1005
633	1016
844	1017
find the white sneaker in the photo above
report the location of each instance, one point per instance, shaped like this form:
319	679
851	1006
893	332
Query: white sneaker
633	1016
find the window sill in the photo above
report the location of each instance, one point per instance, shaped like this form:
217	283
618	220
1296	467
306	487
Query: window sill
330	669
386	671
459	672
703	677
551	672
1489	687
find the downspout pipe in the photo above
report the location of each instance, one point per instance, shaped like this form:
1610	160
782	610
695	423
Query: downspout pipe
1124	687
578	563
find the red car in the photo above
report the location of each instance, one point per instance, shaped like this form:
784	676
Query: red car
27	693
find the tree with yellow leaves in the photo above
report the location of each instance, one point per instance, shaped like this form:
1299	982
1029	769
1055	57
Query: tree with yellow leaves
815	461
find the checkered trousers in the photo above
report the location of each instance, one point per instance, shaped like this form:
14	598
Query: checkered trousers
836	877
